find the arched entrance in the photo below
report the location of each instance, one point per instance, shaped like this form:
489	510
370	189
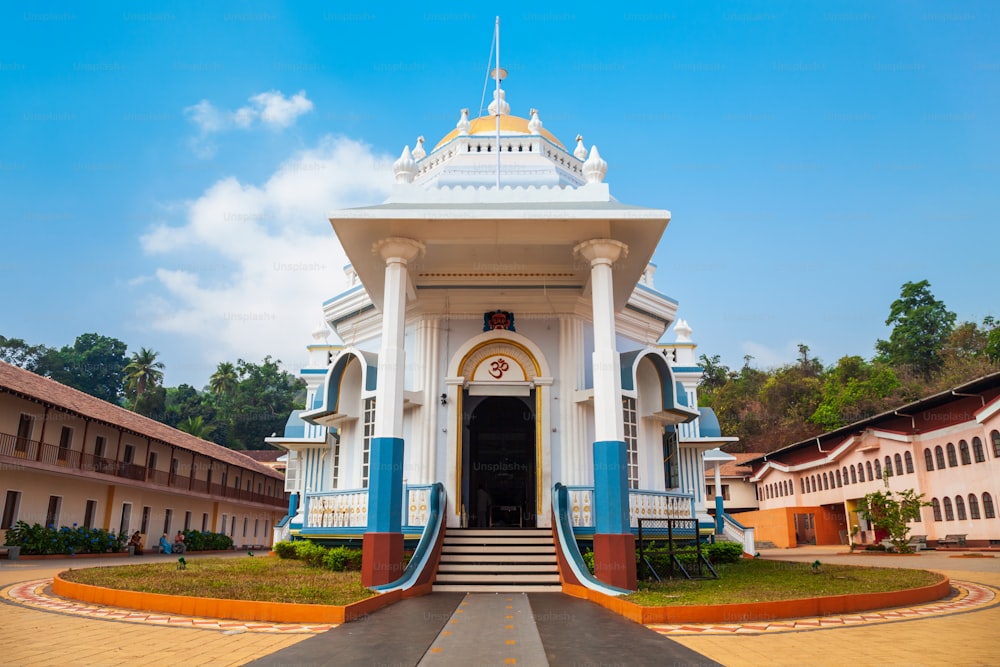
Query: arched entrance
500	450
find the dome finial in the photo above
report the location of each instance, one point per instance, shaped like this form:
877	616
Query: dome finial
594	168
405	168
535	124
463	124
580	151
419	153
504	107
683	331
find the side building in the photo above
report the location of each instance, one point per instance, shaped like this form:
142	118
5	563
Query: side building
945	446
69	458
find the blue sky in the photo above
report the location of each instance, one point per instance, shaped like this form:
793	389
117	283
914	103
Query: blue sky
165	168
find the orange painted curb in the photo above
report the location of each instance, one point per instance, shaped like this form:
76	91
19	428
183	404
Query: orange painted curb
763	611
240	610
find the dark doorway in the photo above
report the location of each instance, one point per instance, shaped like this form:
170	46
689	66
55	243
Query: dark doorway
499	447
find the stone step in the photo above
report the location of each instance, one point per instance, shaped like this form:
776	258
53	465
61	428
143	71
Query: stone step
495	588
498	558
506	567
544	539
496	578
506	532
500	549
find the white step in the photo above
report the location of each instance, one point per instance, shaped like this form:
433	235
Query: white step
487	578
498	558
475	567
488	588
501	549
462	539
504	532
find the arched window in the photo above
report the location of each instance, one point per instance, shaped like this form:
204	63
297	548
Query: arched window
949	513
977	450
888	467
960	508
963	451
939	457
952	458
854	475
988	506
928	460
995	437
936	507
899	464
973	506
840	481
909	462
845	475
816	483
878	469
826	482
802	484
868	467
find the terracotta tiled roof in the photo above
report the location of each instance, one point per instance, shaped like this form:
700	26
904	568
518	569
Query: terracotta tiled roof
264	455
733	468
19	381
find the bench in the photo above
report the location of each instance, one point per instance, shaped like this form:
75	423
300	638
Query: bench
918	542
952	540
12	553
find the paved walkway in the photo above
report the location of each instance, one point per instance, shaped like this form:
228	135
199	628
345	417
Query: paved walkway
452	629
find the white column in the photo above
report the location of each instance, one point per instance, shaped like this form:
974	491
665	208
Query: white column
573	431
392	357
428	374
602	254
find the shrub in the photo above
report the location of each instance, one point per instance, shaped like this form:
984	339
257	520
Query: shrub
37	539
310	552
724	552
285	550
340	559
207	541
588	559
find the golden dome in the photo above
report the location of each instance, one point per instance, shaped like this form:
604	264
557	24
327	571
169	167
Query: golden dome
487	126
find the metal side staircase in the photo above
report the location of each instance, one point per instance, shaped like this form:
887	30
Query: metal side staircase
498	561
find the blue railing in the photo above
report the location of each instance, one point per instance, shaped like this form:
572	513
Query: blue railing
425	548
567	544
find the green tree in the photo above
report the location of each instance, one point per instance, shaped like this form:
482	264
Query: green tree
143	372
197	427
893	512
224	380
714	377
921	325
19	353
853	390
95	364
260	403
185	402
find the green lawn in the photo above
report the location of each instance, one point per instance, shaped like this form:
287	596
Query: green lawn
261	578
759	580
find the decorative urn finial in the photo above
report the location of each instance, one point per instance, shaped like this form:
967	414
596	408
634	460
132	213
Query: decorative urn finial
463	124
405	168
504	107
594	168
683	331
580	151
419	153
535	124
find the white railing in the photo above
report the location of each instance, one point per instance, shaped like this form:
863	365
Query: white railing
739	533
337	509
641	505
418	504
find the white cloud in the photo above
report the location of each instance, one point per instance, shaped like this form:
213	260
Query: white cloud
271	109
246	272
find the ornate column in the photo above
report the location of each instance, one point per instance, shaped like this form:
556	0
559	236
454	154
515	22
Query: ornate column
382	558
614	544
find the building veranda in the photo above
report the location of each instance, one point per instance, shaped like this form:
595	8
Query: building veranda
68	458
945	446
500	337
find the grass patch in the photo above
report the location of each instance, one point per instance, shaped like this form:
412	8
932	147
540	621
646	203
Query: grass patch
760	580
261	579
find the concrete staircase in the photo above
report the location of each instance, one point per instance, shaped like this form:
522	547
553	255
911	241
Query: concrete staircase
498	561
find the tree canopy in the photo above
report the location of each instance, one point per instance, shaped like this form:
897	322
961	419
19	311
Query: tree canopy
921	325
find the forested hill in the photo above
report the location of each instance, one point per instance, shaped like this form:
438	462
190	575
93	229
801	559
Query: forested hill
927	352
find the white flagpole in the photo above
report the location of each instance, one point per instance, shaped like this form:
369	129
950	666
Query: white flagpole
498	70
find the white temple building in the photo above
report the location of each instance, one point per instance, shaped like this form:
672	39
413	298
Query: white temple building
498	341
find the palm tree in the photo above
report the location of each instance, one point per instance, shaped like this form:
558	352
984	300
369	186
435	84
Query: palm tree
143	372
224	380
197	427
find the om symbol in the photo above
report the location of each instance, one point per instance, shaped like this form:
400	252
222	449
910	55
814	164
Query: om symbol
498	368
